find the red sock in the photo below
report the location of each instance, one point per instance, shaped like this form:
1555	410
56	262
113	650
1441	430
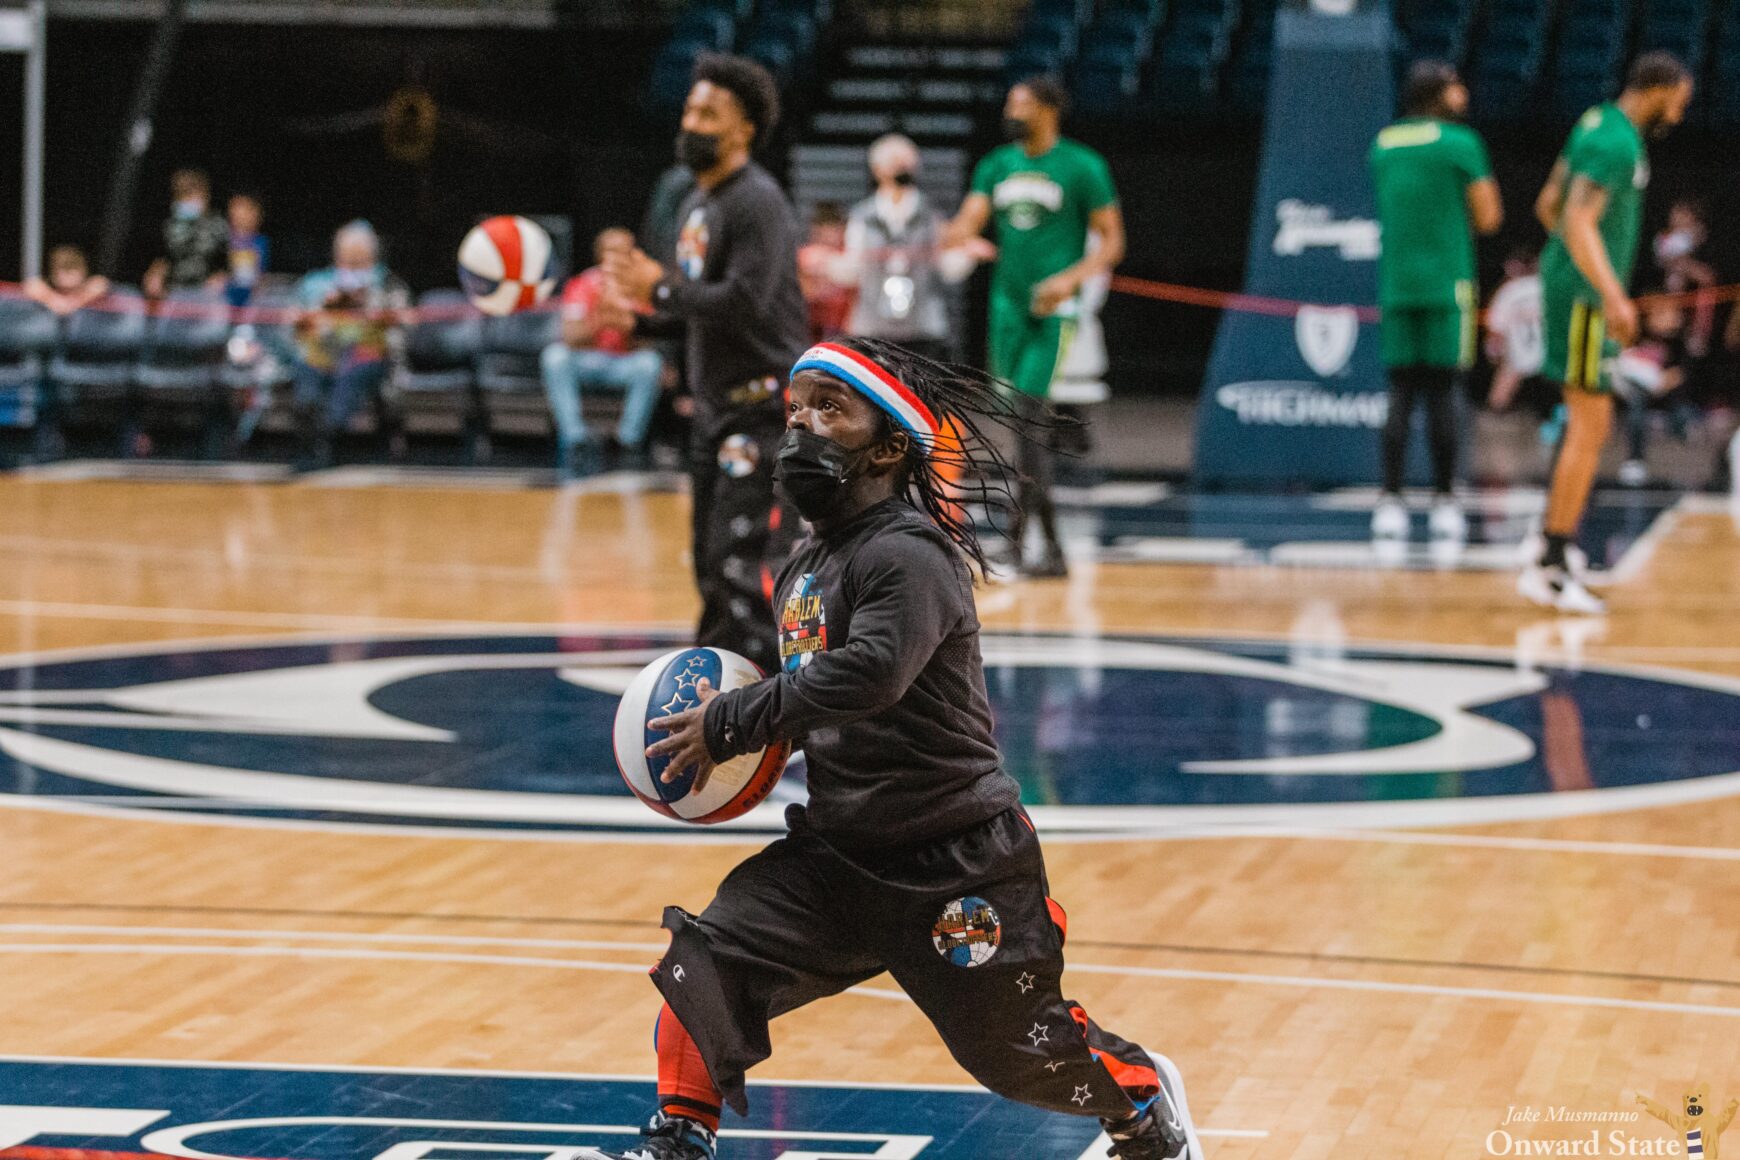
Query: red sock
685	1087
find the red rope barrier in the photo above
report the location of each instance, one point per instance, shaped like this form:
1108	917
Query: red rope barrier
1123	284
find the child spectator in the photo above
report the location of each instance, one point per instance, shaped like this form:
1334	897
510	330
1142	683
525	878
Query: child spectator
248	249
70	285
196	241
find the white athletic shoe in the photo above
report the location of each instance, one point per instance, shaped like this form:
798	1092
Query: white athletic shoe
1575	598
1172	1091
1558	589
1389	520
1448	523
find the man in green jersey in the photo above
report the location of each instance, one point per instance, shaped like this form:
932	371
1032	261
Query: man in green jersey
1047	193
1593	206
1433	184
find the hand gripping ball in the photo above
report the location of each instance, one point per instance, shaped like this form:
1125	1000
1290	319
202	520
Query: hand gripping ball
667	687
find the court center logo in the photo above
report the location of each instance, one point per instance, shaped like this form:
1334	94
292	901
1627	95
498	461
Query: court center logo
511	734
968	932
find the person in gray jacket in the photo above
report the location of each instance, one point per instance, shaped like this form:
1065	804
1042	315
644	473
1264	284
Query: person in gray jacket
893	256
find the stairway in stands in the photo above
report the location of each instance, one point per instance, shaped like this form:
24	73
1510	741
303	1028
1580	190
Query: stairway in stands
942	96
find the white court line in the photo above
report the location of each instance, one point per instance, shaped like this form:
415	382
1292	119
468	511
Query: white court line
1306	982
569	944
138	811
313	622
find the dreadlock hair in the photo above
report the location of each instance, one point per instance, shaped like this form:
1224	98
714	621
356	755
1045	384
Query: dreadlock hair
965	468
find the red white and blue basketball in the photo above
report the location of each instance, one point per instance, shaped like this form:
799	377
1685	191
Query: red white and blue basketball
504	265
669	686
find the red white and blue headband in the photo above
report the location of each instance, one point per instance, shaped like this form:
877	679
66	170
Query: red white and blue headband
870	380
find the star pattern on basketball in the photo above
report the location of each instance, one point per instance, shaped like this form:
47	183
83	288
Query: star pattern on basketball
1082	1095
678	703
1041	1033
1025	982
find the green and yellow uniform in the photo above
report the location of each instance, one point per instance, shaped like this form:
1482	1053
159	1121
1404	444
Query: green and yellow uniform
1422	168
1041	206
1606	148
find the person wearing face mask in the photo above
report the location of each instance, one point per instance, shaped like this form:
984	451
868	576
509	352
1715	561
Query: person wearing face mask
1046	193
1678	250
1593	205
894	257
346	329
913	854
196	242
734	283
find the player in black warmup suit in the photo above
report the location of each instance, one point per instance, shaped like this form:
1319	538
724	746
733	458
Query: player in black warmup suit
913	855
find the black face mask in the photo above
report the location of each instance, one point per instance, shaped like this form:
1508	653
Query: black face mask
1015	129
815	473
698	152
904	177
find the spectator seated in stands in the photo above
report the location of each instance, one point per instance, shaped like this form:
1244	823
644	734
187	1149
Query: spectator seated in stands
196	242
70	285
830	303
596	350
248	249
346	332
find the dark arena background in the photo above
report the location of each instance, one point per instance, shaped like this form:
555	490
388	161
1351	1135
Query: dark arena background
1398	812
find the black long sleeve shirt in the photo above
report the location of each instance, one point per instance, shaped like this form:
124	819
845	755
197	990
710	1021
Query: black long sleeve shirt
735	283
883	685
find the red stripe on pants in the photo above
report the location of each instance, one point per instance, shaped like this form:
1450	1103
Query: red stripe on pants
685	1087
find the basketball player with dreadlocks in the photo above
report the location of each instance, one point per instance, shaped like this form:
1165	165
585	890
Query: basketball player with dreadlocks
914	855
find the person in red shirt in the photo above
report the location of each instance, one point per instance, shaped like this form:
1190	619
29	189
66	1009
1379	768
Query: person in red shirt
596	351
830	303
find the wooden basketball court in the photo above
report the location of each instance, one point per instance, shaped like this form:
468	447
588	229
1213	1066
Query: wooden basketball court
1372	988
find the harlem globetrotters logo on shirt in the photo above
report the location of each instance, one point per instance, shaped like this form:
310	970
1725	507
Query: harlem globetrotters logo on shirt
1025	196
803	624
968	932
692	242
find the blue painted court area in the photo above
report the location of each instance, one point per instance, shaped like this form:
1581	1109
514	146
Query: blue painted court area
1143	521
268	1113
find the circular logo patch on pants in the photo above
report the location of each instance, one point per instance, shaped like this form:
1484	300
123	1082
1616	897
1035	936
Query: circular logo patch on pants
968	932
739	456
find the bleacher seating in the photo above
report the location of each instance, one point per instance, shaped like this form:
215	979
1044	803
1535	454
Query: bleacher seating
28	334
1507	63
1247	74
100	346
439	372
509	377
1113	51
783	35
1184	76
1435	29
1679	27
1046	43
1591	54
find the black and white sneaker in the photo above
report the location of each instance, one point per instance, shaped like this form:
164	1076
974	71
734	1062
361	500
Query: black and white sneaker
670	1138
1162	1129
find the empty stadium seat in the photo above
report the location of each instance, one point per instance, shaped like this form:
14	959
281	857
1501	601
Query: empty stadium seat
1507	64
440	366
184	343
28	333
101	344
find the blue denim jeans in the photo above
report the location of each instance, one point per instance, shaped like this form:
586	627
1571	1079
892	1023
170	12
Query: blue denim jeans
634	375
341	388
